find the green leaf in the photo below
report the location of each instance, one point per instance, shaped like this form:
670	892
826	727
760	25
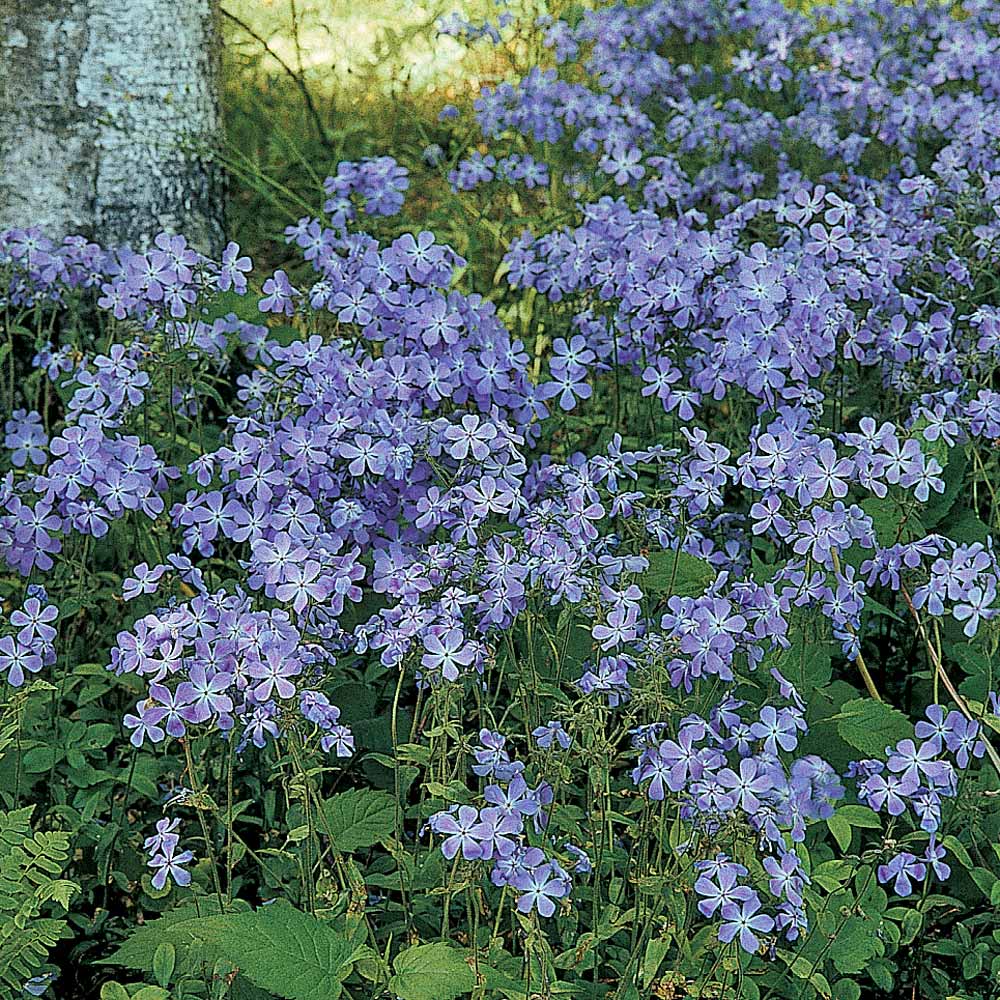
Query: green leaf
910	926
984	879
860	816
841	831
808	661
286	951
114	991
886	516
881	974
871	897
855	944
972	965
870	726
877	608
966	526
244	306
177	926
656	952
431	972
957	848
846	989
359	818
277	948
802	968
675	572
164	960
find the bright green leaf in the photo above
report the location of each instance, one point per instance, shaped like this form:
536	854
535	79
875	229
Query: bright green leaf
431	972
841	831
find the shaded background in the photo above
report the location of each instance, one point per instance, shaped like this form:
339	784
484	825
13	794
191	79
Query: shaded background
307	83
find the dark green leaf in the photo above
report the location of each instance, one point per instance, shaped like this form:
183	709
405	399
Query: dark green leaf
870	726
676	572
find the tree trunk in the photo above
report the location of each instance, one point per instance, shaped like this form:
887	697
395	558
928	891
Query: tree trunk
110	112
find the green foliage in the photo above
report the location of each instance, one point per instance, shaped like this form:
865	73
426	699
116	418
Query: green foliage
870	726
277	948
431	972
30	889
349	860
358	818
677	573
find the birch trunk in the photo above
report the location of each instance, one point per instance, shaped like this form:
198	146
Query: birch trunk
108	111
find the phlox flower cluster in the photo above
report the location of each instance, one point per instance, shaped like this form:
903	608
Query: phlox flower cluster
395	481
165	859
214	661
379	183
27	638
497	832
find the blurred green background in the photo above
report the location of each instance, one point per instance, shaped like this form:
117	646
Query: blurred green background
308	83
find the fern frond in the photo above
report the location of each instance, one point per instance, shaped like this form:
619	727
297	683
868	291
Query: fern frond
31	864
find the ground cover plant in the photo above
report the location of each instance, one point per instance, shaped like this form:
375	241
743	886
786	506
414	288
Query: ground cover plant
580	582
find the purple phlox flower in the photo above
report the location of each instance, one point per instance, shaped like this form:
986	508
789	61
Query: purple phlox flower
459	833
495	831
165	837
170	865
962	738
142	581
178	709
34	619
338	738
935	729
145	724
233	270
516	799
273	672
582	865
889	792
934	857
721	890
975	607
749	785
24	435
778	728
491	757
473	436
206	693
917	764
539	888
902	868
449	653
544	735
544	795
304	582
37	986
18	659
279	295
745	922
785	877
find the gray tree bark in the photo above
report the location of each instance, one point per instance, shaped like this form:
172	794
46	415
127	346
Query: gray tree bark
108	112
